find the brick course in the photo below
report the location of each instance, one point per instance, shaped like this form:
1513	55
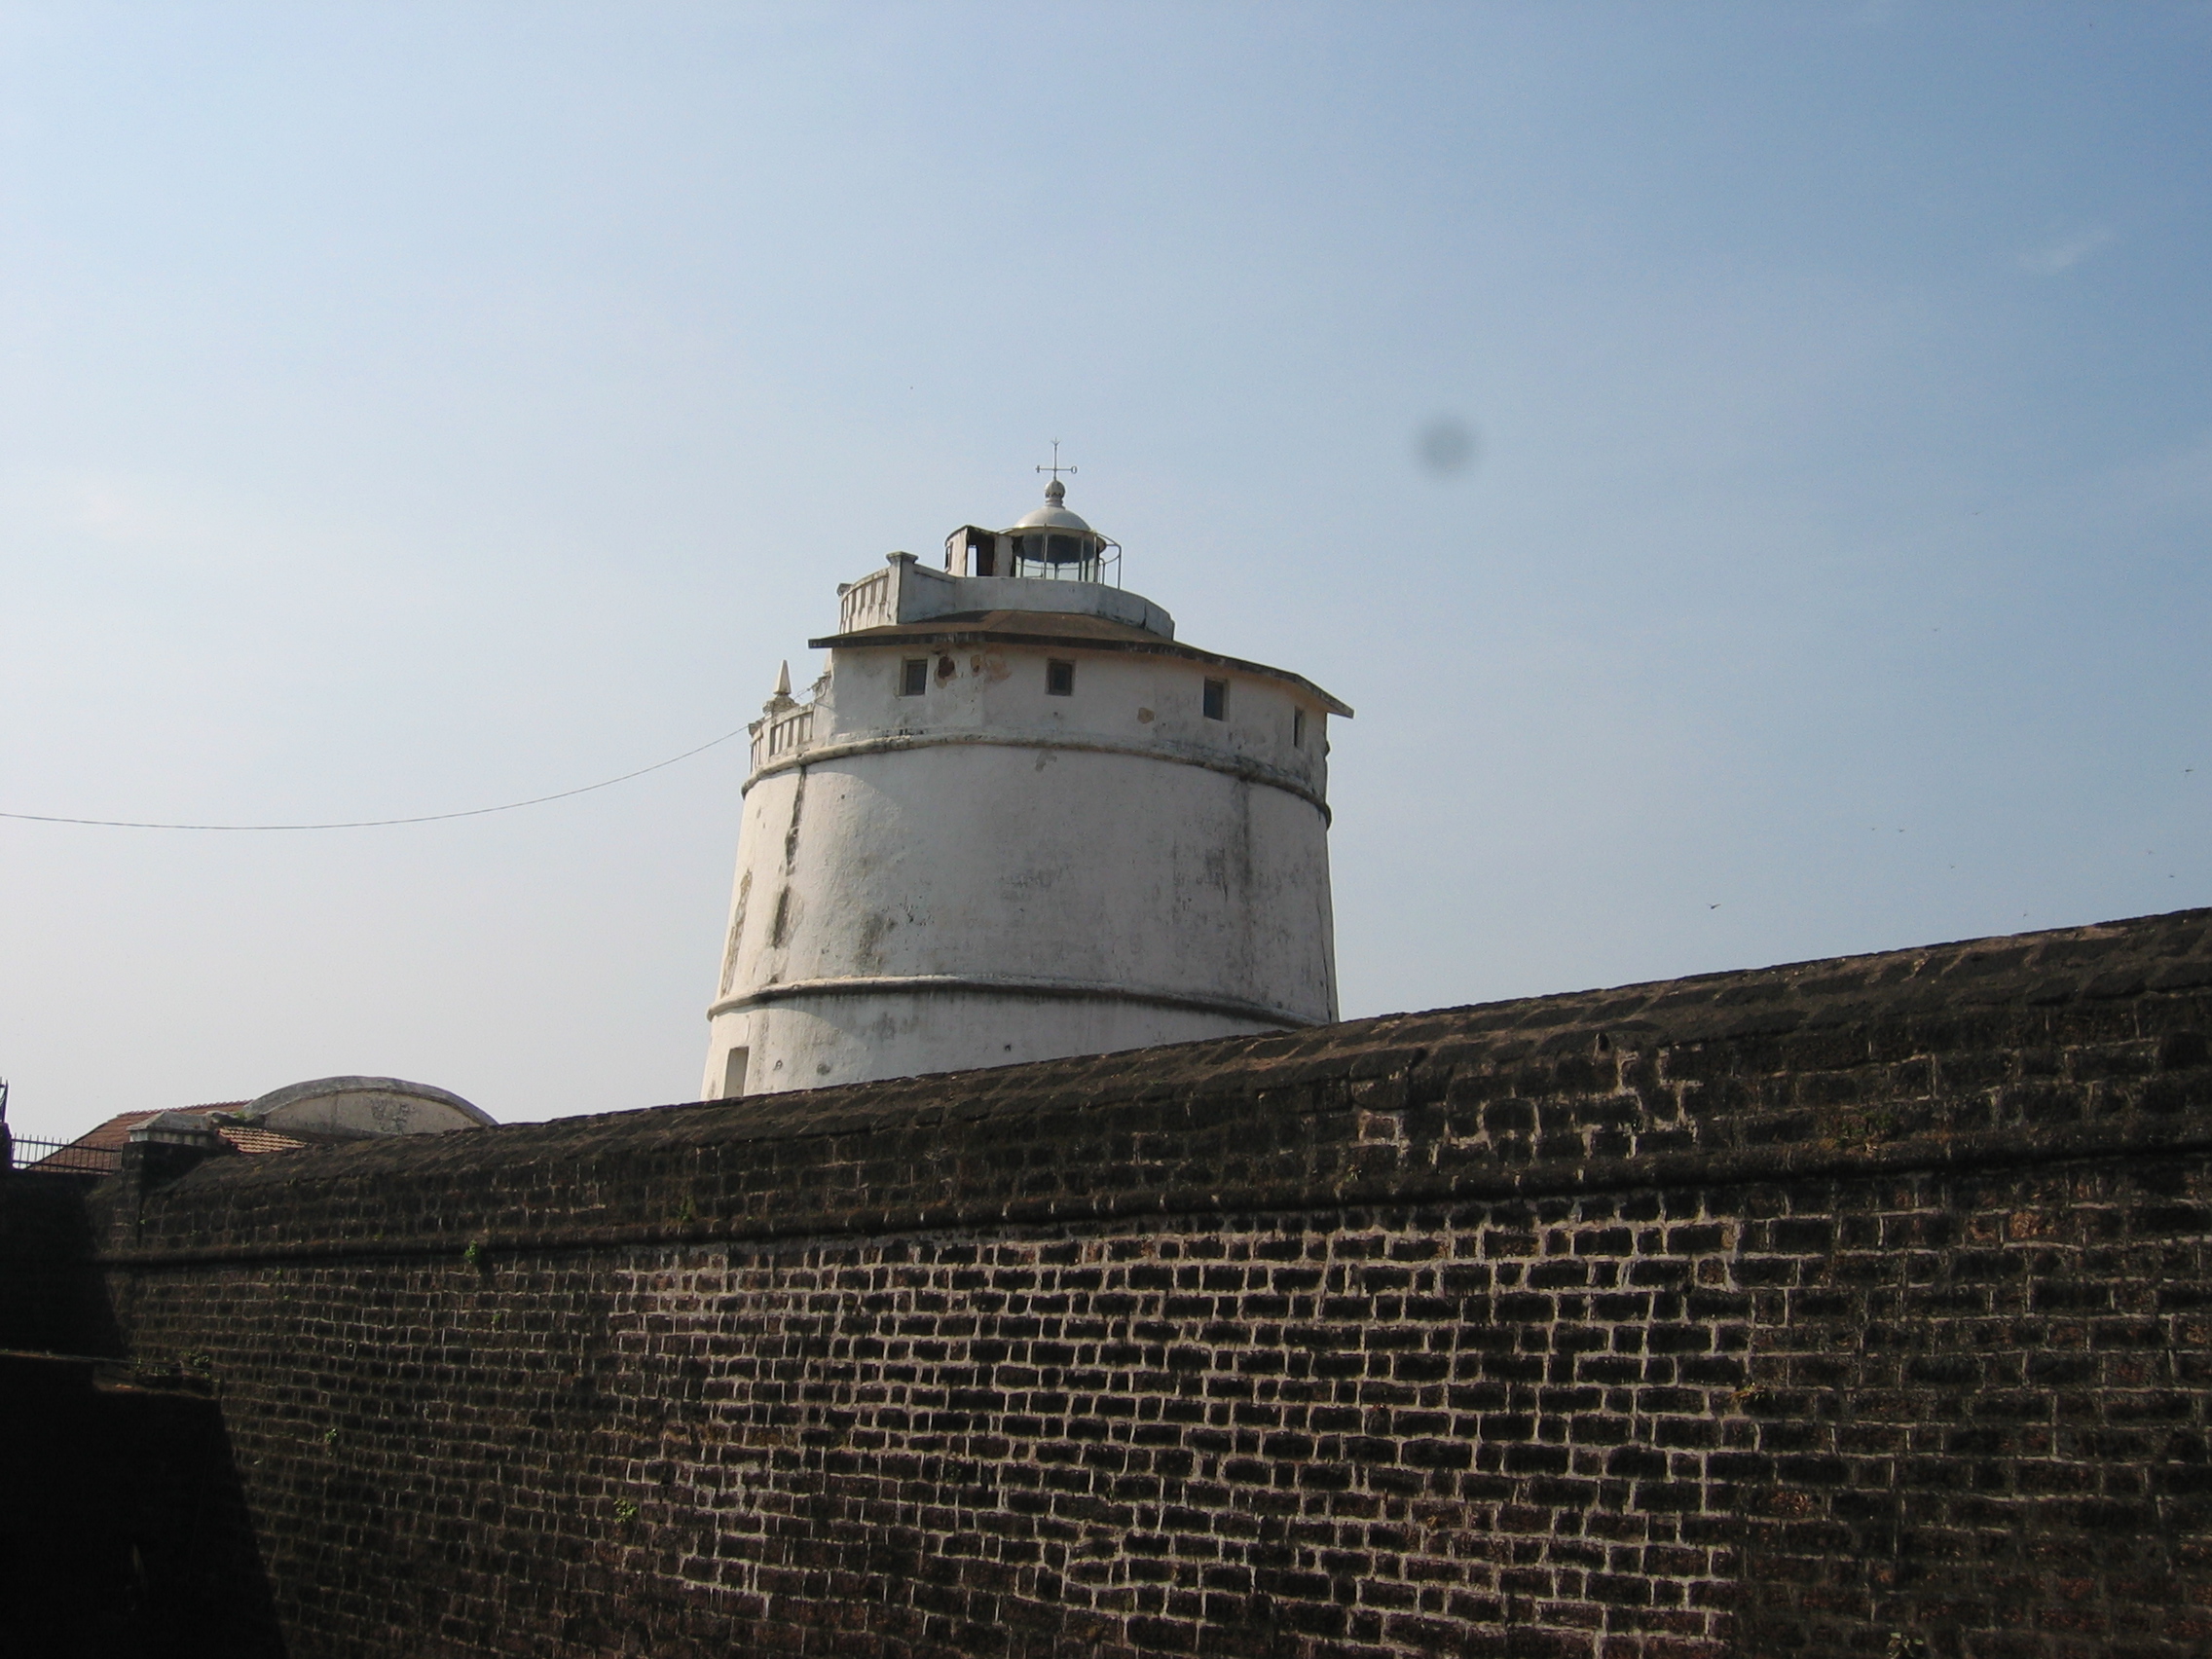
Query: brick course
1833	1308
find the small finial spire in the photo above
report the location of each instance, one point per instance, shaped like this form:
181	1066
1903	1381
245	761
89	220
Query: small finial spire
784	681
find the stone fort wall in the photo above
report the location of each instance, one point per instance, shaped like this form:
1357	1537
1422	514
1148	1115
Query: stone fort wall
1860	1307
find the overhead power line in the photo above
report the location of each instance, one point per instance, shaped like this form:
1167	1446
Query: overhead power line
382	822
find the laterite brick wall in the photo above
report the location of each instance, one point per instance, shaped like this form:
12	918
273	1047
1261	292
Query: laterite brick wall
1859	1306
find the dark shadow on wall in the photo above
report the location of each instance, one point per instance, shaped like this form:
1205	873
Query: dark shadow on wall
53	1298
123	1534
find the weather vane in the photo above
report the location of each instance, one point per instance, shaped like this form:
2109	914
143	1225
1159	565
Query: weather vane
1056	470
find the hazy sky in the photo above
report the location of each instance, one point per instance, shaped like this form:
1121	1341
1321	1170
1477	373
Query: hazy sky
411	409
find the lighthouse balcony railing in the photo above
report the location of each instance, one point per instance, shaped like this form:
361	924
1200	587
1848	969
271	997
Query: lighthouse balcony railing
783	734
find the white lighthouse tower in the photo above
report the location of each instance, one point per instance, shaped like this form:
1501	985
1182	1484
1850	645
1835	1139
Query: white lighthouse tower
1016	819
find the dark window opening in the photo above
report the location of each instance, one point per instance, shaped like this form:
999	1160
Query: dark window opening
1298	728
1060	678
914	677
1217	700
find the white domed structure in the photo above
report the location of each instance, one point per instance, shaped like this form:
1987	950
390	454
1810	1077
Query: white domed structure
362	1108
1017	819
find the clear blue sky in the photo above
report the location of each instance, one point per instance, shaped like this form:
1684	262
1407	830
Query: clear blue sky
410	408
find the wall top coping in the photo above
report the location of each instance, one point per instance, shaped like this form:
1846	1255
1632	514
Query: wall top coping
1847	1064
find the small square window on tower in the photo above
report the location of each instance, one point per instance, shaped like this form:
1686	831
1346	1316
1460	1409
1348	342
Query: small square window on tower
1060	678
914	677
1217	700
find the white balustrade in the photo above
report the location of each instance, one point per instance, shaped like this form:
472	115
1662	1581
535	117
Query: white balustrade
783	734
870	603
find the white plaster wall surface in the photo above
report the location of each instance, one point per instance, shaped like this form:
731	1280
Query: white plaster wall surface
862	1039
986	873
925	593
905	590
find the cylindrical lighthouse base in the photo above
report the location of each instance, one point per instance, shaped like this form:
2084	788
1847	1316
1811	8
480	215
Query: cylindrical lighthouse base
810	1036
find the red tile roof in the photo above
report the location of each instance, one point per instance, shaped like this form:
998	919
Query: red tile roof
248	1139
115	1135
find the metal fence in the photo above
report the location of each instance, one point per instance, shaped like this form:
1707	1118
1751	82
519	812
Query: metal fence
63	1158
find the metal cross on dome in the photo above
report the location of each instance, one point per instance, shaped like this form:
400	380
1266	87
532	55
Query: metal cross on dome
1056	470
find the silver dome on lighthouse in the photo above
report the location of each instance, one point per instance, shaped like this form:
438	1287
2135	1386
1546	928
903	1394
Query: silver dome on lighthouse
1056	543
1054	514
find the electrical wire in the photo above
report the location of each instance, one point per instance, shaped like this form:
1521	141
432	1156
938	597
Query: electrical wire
383	823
